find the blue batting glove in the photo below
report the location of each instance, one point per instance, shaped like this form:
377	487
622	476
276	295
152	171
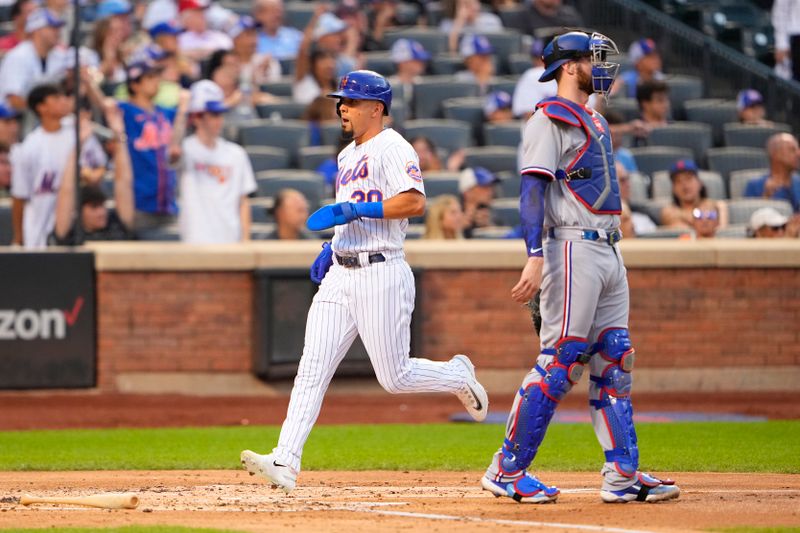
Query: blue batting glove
332	215
322	263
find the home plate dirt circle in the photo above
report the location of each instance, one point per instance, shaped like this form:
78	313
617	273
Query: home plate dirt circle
393	501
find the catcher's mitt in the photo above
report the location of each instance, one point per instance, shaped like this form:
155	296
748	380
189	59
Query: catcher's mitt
536	313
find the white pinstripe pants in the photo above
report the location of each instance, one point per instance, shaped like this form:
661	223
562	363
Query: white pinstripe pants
374	302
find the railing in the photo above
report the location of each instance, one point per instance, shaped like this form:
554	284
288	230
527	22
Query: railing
685	50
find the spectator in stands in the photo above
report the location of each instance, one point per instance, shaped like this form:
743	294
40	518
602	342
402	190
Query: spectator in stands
256	68
478	54
216	175
411	60
320	78
688	194
108	41
275	39
647	65
198	41
705	219
619	129
121	12
529	91
369	24
767	223
548	14
178	68
464	17
9	125
786	21
750	106
445	219
632	222
476	186
429	159
5	170
783	180
241	95
497	107
335	35
290	212
321	110
32	60
94	221
19	14
38	165
653	99
153	145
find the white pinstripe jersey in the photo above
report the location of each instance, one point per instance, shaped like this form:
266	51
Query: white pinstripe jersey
374	171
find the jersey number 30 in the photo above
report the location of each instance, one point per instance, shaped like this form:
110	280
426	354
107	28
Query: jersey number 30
359	196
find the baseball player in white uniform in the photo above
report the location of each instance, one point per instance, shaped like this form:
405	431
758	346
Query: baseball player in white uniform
369	289
570	196
216	175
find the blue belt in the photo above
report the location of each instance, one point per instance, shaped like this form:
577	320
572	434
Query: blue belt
351	261
611	237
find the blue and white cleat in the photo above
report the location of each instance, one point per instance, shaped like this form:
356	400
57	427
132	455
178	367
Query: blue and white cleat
526	489
646	489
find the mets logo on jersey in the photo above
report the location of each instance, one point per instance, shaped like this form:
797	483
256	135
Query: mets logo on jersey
413	171
360	171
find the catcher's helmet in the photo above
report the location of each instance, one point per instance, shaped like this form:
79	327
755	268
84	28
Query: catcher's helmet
577	44
365	85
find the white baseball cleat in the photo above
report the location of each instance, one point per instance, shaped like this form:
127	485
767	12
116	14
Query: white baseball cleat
473	395
281	476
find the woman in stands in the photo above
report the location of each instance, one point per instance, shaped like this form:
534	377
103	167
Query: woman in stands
688	196
445	219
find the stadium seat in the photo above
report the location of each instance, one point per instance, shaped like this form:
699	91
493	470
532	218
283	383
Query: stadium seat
267	157
651	208
407	13
6	228
651	159
380	62
681	89
446	64
736	134
441	182
287	66
504	83
667	233
740	210
260	209
468	109
494	158
509	185
739	178
289	134
415	232
285	109
695	136
715	187
505	43
509	134
283	87
431	91
311	157
519	63
733	231
505	212
298	14
260	231
451	135
491	232
628	107
434	41
713	111
511	15
310	183
639	186
726	160
331	133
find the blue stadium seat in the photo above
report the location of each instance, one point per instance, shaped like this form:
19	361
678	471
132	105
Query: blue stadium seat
267	157
740	210
726	160
713	111
288	134
469	109
494	158
431	91
310	183
715	186
681	89
696	136
737	134
283	87
441	182
738	179
446	64
311	157
507	134
651	159
448	134
380	62
432	39
260	209
505	212
283	109
6	228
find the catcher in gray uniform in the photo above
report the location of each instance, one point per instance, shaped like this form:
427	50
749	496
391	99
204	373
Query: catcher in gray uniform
570	199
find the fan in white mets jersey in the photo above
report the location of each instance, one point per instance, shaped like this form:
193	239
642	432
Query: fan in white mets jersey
366	286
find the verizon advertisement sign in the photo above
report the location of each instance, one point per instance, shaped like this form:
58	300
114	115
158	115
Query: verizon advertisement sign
47	320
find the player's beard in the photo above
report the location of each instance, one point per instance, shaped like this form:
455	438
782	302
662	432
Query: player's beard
585	83
347	133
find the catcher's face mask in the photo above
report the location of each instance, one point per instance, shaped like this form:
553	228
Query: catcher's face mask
603	71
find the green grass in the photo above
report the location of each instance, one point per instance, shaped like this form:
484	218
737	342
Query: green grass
772	446
126	529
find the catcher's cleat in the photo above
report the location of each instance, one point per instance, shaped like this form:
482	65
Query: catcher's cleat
646	489
281	476
525	489
472	395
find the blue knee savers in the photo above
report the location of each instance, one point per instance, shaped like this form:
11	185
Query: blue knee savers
539	400
614	346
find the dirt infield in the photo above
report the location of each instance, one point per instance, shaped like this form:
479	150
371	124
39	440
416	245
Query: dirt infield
394	501
47	410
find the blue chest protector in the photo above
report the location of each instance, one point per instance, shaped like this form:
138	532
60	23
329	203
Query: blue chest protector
591	176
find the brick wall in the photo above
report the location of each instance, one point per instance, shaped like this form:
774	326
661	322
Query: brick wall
173	321
202	321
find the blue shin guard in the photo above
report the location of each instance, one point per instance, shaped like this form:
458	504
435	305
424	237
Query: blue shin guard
613	400
559	368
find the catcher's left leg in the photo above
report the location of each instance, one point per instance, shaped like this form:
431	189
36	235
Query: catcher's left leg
612	418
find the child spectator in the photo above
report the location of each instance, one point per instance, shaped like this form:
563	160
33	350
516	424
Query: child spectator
750	107
445	219
653	99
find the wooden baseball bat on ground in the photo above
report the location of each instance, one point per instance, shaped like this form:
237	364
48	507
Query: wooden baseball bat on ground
103	501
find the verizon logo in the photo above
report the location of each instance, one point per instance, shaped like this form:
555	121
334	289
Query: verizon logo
34	324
